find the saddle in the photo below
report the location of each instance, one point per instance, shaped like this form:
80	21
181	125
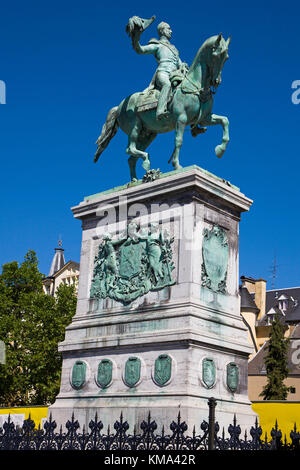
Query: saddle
148	98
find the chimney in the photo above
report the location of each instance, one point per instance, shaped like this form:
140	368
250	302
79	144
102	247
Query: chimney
258	288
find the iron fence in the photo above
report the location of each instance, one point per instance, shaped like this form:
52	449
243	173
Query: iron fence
28	437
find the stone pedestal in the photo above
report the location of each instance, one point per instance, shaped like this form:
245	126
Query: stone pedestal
171	348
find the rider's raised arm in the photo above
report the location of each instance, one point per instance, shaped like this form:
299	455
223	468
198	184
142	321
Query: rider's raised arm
148	49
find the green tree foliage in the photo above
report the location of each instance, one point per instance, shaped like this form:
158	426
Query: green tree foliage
276	363
32	324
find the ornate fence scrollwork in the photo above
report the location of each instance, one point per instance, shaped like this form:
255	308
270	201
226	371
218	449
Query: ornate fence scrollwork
28	437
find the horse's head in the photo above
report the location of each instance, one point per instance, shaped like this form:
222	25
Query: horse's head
217	54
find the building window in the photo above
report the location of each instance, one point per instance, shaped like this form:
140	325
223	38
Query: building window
283	305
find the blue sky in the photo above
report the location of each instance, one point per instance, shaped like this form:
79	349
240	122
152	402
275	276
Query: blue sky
65	64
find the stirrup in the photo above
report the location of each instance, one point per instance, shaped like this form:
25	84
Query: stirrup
162	115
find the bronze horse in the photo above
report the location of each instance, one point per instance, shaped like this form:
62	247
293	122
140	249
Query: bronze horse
191	104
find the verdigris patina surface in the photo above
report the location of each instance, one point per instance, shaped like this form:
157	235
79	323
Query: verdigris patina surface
178	96
215	259
132	265
78	374
132	371
208	372
162	369
232	377
104	376
170	67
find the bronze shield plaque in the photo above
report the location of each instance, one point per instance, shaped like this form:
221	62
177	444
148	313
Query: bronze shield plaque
132	371
78	374
232	376
208	372
162	369
104	376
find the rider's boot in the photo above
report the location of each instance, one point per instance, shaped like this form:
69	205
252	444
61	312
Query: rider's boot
162	111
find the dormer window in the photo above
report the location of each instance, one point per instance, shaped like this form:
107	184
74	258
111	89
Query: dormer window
283	303
271	315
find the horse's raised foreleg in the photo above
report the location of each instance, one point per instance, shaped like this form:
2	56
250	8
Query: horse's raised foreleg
179	131
132	149
212	120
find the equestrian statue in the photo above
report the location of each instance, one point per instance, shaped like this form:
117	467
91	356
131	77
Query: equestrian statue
177	96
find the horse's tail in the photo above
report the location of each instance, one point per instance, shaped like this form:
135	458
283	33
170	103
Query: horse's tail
109	129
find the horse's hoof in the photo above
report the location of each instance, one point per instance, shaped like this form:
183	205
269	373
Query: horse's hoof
219	151
177	167
146	165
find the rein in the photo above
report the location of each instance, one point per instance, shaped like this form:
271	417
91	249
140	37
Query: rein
204	94
198	89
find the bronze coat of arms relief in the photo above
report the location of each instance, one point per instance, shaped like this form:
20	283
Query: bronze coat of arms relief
139	261
215	254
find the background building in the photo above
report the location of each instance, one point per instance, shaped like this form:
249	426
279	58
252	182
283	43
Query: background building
61	272
258	307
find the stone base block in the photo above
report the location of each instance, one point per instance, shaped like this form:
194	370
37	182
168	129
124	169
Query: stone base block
138	343
135	410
